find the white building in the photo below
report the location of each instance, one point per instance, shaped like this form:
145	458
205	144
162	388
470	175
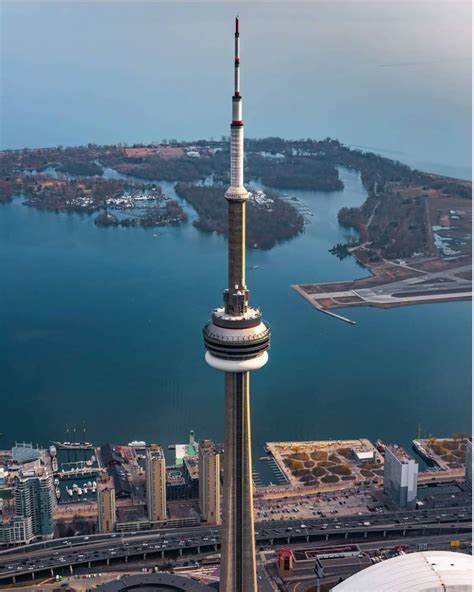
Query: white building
400	476
428	571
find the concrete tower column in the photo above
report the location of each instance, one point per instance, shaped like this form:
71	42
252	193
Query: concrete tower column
238	568
236	254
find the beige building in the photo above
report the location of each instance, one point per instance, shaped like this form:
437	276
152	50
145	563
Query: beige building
106	508
156	483
209	482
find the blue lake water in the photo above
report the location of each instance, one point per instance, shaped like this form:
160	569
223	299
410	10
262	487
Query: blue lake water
103	325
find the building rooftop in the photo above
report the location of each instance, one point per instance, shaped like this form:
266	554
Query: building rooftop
109	456
208	447
121	482
24	452
399	452
192	466
428	571
325	552
155	582
155	452
175	477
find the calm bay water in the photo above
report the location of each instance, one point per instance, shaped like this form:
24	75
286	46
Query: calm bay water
104	326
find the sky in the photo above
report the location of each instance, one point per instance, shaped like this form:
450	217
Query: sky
393	77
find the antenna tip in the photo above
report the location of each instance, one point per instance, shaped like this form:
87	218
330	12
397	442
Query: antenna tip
236	24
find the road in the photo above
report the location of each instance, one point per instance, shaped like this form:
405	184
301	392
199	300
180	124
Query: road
54	556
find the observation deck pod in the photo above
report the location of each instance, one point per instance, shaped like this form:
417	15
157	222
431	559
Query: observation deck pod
237	343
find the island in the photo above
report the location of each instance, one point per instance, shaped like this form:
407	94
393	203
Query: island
270	219
414	229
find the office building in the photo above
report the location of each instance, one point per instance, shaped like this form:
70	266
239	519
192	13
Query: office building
400	476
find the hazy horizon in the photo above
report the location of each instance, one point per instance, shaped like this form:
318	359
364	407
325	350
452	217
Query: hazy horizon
394	78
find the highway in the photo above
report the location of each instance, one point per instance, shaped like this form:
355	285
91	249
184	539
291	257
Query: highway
56	555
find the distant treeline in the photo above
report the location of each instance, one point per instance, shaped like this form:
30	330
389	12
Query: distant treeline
307	163
266	226
293	173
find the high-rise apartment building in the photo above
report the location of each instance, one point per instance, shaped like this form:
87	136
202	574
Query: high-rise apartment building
155	483
210	482
34	498
400	476
106	514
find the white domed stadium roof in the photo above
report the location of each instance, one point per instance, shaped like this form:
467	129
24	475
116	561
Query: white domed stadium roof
428	571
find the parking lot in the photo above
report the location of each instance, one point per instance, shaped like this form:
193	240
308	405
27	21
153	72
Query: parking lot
351	503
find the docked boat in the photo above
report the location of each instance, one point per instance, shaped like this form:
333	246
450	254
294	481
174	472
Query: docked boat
425	455
380	445
58	493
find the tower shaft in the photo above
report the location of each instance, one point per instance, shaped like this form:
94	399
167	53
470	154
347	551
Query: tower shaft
236	254
238	566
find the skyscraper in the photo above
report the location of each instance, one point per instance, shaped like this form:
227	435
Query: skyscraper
34	499
210	482
400	476
106	515
155	483
236	339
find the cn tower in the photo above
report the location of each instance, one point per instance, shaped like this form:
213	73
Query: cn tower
237	340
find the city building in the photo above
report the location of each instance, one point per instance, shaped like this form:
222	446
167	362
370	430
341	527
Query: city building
154	582
237	339
155	470
285	562
427	571
469	462
176	484
34	499
16	530
189	450
24	452
106	514
400	476
191	474
210	482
